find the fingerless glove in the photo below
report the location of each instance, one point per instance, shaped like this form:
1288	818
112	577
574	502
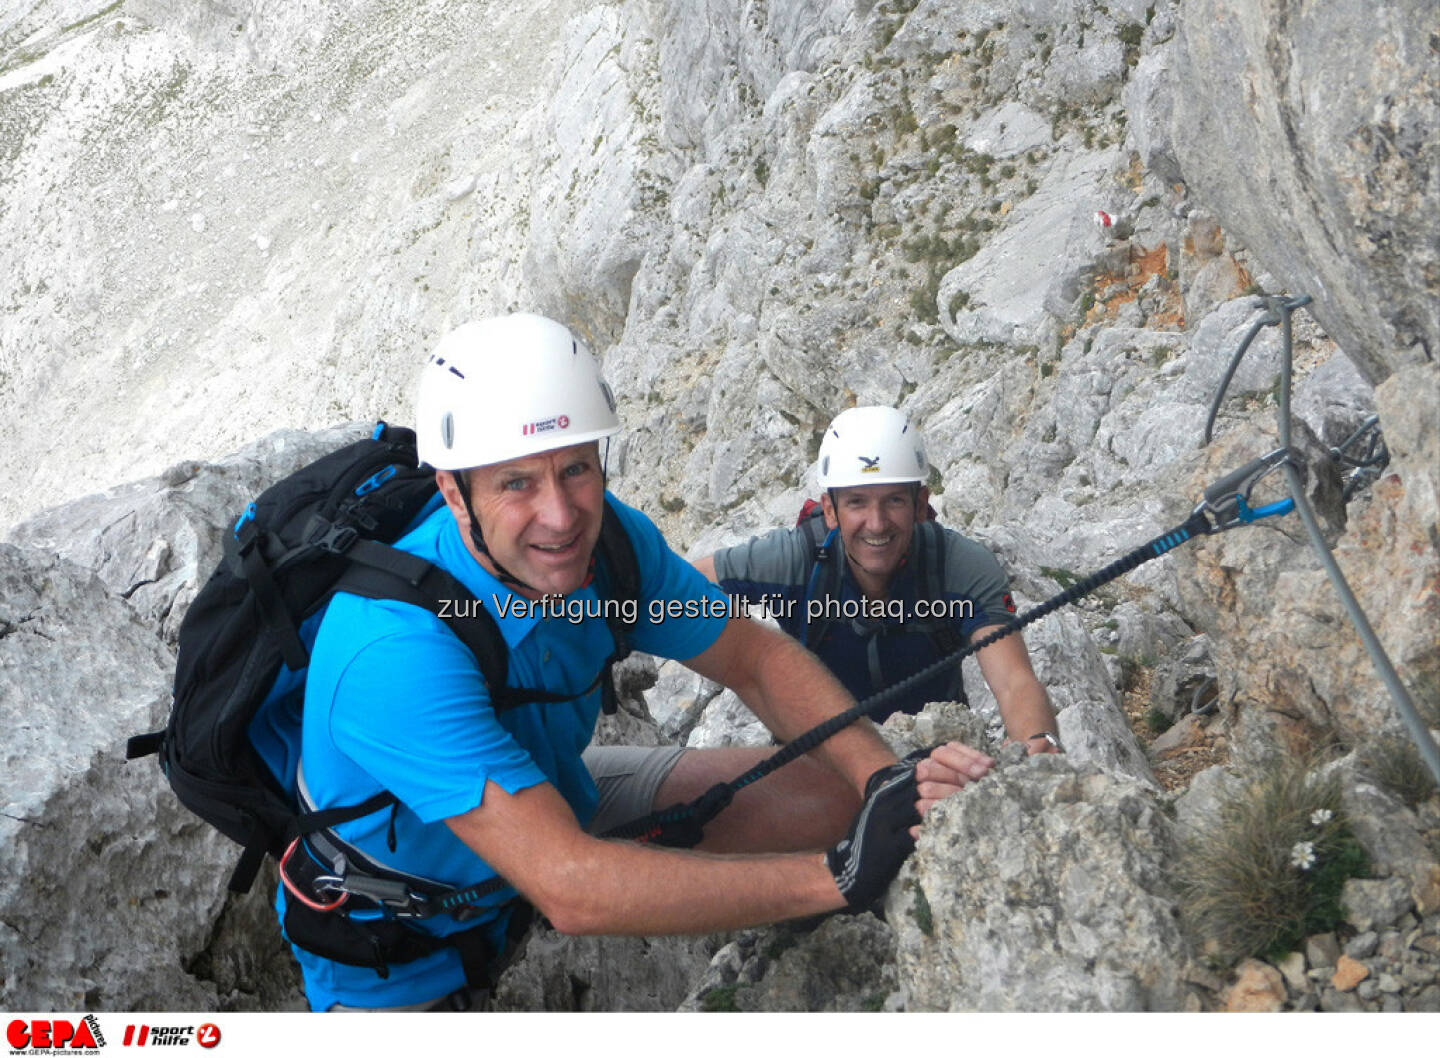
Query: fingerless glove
868	858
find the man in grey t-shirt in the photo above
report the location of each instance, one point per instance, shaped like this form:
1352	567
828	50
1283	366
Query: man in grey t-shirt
882	590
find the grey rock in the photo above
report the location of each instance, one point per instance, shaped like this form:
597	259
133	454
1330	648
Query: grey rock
1427	1001
154	542
939	722
1334	399
1048	234
1184	731
562	973
727	721
1419	975
1001	909
1307	1002
1185	679
843	964
1148	96
1322	950
679	698
1199	805
1371	902
112	888
1292	968
1336	1002
1362	945
1392	834
1148	635
1010	129
1284	165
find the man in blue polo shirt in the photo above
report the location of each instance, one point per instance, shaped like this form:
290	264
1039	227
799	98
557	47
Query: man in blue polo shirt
511	413
890	591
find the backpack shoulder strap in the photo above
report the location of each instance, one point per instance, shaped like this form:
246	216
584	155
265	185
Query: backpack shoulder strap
811	524
615	553
930	551
826	569
379	571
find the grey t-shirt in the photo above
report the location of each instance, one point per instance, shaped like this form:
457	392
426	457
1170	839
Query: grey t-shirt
871	644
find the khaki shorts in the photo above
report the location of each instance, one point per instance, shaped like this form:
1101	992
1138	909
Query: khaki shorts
628	778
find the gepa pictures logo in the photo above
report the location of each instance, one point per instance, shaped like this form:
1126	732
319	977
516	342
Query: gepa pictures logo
54	1034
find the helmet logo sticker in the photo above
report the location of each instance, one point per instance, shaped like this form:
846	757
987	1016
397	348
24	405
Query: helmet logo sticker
872	464
555	422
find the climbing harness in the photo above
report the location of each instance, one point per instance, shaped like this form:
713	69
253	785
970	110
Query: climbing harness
1279	310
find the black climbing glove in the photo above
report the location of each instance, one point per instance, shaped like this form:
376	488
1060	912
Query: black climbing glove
870	856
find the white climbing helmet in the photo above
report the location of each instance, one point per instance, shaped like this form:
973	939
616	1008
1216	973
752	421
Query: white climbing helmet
871	446
509	386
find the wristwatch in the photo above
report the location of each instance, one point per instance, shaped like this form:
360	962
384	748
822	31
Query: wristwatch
1048	736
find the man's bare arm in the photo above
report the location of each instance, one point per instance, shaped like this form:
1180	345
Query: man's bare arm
1024	705
584	885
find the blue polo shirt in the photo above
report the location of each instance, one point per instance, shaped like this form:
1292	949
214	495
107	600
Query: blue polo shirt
394	701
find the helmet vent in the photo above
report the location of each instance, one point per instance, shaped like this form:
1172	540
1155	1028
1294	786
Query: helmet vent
447	430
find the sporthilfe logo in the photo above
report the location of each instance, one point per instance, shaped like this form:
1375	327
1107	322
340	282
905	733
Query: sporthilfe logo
207	1035
556	422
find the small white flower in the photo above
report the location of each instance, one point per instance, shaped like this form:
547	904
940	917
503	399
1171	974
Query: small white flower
1303	855
1321	816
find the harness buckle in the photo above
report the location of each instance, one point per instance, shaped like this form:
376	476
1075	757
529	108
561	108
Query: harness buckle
1227	501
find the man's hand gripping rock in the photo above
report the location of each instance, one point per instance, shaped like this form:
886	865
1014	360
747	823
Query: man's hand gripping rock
868	858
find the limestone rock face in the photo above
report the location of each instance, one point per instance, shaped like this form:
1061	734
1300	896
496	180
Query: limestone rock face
560	973
1299	669
841	964
1313	141
1041	887
111	888
154	542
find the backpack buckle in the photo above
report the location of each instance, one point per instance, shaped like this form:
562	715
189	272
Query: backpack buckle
332	538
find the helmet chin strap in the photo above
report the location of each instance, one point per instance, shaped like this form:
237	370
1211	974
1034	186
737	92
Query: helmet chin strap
504	575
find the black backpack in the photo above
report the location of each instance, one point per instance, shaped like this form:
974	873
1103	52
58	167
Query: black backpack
244	650
827	573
